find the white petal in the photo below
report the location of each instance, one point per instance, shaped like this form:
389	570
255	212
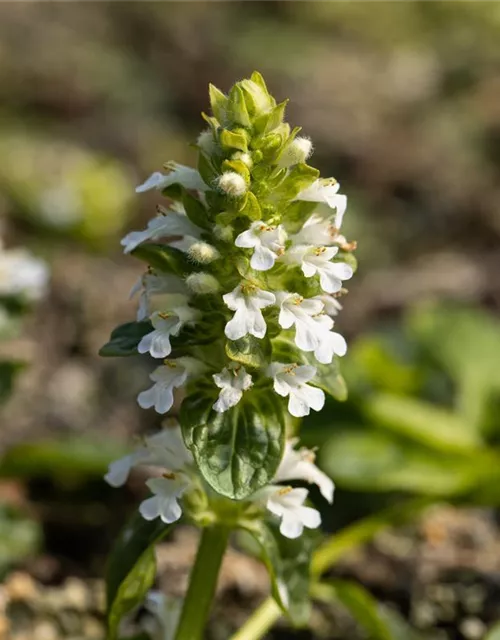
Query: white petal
236	328
146	399
310	517
170	510
315	397
150	508
329	282
228	397
119	471
262	259
308	269
291	527
306	336
247	239
297	405
286	318
160	346
155	181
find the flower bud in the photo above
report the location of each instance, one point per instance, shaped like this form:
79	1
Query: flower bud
206	141
224	233
202	283
297	151
203	252
246	158
232	183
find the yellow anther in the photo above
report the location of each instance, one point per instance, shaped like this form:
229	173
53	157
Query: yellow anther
319	250
169	475
170	363
164	315
284	490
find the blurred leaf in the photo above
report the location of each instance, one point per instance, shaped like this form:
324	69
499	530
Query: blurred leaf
131	568
466	343
164	258
81	456
363	607
433	426
9	369
20	537
287	562
124	339
493	633
378	462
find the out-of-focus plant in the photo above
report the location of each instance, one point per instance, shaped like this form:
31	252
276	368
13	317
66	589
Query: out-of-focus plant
64	187
423	414
237	304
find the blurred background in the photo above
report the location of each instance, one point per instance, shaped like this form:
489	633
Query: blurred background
402	101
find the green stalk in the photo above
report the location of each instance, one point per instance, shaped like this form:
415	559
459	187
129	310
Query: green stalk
259	622
202	583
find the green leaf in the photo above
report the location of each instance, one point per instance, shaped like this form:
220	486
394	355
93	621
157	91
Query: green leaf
218	102
363	607
327	377
249	351
131	568
296	214
124	339
251	207
206	169
237	451
267	122
9	369
433	426
239	166
236	108
232	140
288	563
299	178
372	461
195	211
164	258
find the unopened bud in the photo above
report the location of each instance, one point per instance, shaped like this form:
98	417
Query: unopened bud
297	151
203	252
206	141
202	283
223	233
232	183
246	158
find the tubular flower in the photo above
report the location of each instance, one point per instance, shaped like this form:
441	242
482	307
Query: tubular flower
249	242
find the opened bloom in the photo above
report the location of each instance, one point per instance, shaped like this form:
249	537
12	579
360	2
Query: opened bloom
268	243
165	325
247	301
306	314
291	380
232	381
316	260
179	174
166	378
326	191
168	224
288	504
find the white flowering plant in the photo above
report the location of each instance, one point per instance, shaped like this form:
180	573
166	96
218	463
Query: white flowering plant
245	266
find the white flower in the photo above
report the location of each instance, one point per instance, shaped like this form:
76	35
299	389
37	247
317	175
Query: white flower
316	260
166	377
290	380
232	381
268	243
165	500
179	174
331	305
326	191
164	449
330	344
171	224
298	464
232	183
155	284
165	325
247	301
21	274
317	230
288	504
306	314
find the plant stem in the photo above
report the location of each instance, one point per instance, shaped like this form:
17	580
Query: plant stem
259	622
202	583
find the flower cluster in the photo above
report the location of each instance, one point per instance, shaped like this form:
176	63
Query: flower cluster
174	474
246	256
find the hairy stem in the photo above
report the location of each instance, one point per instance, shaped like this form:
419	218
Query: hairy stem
202	583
